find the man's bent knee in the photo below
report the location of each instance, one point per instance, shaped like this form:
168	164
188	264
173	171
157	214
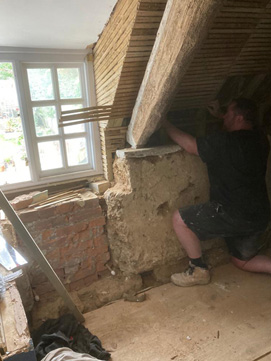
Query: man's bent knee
238	262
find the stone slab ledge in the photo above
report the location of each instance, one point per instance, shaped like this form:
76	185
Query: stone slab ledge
147	152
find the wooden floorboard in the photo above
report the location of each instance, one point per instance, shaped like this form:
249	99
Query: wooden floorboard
229	319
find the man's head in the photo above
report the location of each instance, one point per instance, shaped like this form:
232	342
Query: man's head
241	114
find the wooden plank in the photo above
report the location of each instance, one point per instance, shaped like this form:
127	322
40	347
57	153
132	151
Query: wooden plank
98	107
147	13
151	6
170	59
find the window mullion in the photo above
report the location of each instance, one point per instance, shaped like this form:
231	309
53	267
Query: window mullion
85	104
28	122
58	112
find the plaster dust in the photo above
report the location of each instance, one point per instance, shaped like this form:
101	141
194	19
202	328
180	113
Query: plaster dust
229	319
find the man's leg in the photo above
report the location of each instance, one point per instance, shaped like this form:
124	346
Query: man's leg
259	263
187	238
197	273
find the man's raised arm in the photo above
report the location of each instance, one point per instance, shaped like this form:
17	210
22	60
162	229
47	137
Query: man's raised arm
185	140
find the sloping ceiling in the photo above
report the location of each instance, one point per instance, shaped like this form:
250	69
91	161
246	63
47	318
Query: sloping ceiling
238	43
234	59
123	50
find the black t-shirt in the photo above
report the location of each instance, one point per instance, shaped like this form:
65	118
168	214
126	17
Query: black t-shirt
236	163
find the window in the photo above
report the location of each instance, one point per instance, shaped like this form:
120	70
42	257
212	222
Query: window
33	148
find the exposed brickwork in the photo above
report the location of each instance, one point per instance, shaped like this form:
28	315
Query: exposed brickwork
73	240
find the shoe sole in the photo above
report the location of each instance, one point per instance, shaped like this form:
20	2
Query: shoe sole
195	283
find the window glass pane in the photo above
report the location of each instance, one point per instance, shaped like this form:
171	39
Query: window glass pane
76	151
40	84
69	83
13	160
45	121
73	128
50	156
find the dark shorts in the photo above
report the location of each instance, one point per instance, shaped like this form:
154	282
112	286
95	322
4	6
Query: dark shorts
210	220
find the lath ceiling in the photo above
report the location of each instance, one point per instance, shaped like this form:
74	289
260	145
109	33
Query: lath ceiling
238	44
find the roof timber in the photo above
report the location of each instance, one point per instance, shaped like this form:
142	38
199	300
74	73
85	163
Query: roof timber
237	43
183	27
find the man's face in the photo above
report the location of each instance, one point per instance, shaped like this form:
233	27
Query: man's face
230	118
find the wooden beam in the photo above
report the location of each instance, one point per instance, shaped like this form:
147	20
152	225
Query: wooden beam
183	28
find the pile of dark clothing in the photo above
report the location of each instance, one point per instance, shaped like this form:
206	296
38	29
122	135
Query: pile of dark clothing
66	331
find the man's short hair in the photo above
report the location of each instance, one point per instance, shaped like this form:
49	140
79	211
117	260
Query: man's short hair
247	108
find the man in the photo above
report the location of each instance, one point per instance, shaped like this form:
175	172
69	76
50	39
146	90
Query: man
239	209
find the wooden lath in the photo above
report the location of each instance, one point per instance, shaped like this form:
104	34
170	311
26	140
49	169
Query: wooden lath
110	50
122	52
146	24
238	43
90	114
120	58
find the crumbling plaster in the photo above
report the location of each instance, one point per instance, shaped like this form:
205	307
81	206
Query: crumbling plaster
149	187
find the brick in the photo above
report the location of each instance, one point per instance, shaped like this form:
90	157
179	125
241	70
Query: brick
90	279
85	235
76	238
60	220
67	253
47	234
47	212
103	248
100	240
76	285
85	215
82	273
22	201
69	262
60	273
53	254
97	231
88	263
43	224
72	229
29	216
103	257
92	203
64	208
100	221
100	267
85	245
71	270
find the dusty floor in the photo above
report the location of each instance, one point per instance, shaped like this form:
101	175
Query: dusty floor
229	319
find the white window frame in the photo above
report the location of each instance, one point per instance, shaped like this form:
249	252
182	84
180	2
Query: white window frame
23	58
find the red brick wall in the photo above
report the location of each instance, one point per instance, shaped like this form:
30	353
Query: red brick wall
72	239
